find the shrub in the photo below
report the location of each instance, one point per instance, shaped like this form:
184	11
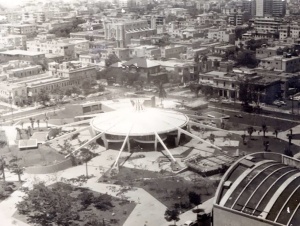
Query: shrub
74	136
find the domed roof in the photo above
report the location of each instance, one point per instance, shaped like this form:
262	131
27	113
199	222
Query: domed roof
265	186
139	121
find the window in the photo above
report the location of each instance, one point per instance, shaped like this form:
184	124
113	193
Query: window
224	84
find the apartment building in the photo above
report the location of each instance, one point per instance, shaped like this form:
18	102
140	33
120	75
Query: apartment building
13	93
285	63
265	52
176	11
23	55
65	75
291	30
38	17
20	69
19	29
17	41
224	84
58	47
173	51
221	35
274	8
267	27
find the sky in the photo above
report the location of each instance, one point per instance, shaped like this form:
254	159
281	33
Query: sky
10	3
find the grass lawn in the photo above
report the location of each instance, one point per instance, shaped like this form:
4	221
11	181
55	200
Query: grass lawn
169	189
256	145
114	214
256	120
7	188
41	156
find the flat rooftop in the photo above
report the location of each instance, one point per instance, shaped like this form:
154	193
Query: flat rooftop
21	52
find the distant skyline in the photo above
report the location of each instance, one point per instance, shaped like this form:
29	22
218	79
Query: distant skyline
14	3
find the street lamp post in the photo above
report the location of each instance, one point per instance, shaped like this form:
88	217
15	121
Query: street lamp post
11	108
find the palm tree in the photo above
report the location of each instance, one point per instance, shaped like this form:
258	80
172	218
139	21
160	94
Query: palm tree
161	92
38	123
29	131
85	155
250	130
46	119
264	128
32	122
15	168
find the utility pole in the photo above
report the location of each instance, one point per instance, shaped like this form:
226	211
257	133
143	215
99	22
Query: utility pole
11	109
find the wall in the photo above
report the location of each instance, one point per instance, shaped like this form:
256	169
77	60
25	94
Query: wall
223	217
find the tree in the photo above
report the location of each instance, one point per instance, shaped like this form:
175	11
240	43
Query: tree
276	133
2	167
250	130
29	131
85	155
264	128
86	87
58	93
212	138
244	138
49	205
38	124
266	145
46	119
161	92
32	120
111	59
172	215
246	58
19	132
15	167
43	97
194	198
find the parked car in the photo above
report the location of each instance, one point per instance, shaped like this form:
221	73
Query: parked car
214	100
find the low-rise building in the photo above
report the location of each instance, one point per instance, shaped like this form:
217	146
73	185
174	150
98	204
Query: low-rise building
173	51
17	41
285	63
58	47
222	35
19	69
24	55
19	29
13	93
147	51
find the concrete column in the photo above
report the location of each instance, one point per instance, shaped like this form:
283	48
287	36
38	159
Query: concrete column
188	128
155	144
105	141
177	139
92	132
128	145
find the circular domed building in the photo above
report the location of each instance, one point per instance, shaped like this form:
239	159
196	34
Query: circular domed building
143	125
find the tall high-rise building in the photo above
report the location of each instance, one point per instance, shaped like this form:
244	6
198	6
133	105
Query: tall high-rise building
259	8
274	8
249	6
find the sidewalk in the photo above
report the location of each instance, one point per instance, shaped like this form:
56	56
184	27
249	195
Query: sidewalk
207	206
